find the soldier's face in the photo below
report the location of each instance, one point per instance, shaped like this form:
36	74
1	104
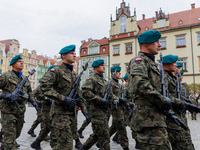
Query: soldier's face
172	67
18	65
117	75
154	47
69	58
100	69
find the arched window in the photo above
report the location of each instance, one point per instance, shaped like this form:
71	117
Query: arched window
123	24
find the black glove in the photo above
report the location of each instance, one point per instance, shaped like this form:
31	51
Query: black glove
182	107
123	100
115	103
188	100
86	116
11	97
69	102
34	103
104	103
177	120
40	104
129	108
49	100
168	105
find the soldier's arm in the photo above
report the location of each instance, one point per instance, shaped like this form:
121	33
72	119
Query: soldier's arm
47	82
38	94
87	89
141	86
128	96
3	81
112	95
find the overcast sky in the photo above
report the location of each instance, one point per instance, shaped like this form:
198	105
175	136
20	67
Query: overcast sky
48	25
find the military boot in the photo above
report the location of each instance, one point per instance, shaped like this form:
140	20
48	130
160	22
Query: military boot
1	148
137	145
78	143
47	138
16	144
116	139
36	145
31	132
1	137
126	148
80	134
97	145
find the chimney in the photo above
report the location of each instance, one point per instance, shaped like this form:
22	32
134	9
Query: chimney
143	16
156	13
55	58
193	6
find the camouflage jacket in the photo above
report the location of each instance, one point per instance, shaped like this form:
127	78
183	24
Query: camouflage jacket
93	91
172	86
128	94
8	83
145	83
194	100
56	84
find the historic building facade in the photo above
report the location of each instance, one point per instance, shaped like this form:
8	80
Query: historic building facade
2	58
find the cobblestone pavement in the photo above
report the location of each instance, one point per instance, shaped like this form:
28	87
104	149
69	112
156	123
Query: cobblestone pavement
25	140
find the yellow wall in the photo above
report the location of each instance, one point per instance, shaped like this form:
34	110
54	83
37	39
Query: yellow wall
26	61
3	57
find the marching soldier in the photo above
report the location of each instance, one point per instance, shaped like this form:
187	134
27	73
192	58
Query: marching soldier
193	98
57	85
118	109
12	115
176	133
150	105
93	91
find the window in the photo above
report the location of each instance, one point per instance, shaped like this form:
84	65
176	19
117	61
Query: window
116	49
90	72
83	61
199	38
146	28
184	62
180	40
160	23
180	22
1	53
35	62
163	43
33	85
84	52
1	62
33	77
123	24
41	69
104	58
93	50
1	71
30	77
128	47
26	67
14	49
104	49
31	61
126	66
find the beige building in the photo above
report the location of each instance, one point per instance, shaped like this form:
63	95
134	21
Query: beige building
26	61
33	62
2	58
180	36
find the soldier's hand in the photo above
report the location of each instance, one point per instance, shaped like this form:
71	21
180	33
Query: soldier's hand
167	106
123	100
116	104
85	113
40	103
34	103
104	102
49	100
6	96
69	102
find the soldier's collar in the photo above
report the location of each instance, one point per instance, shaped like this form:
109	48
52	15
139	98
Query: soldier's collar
19	74
170	74
116	80
70	67
101	75
150	56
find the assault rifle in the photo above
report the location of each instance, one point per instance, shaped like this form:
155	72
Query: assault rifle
168	113
19	89
106	95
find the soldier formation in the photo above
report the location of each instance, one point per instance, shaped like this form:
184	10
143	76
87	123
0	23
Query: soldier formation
151	103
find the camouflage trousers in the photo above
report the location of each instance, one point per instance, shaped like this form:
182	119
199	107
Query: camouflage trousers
84	125
178	140
194	116
11	128
38	119
62	129
74	124
119	126
100	133
153	138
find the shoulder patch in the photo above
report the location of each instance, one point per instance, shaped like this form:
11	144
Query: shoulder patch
138	59
87	78
52	70
0	75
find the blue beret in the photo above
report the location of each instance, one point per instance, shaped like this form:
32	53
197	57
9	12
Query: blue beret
117	68
15	59
179	64
192	92
39	80
51	67
169	59
125	77
149	36
67	49
97	62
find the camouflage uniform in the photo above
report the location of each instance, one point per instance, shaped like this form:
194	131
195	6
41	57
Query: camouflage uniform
93	91
118	116
195	102
56	84
176	134
148	120
46	119
13	116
